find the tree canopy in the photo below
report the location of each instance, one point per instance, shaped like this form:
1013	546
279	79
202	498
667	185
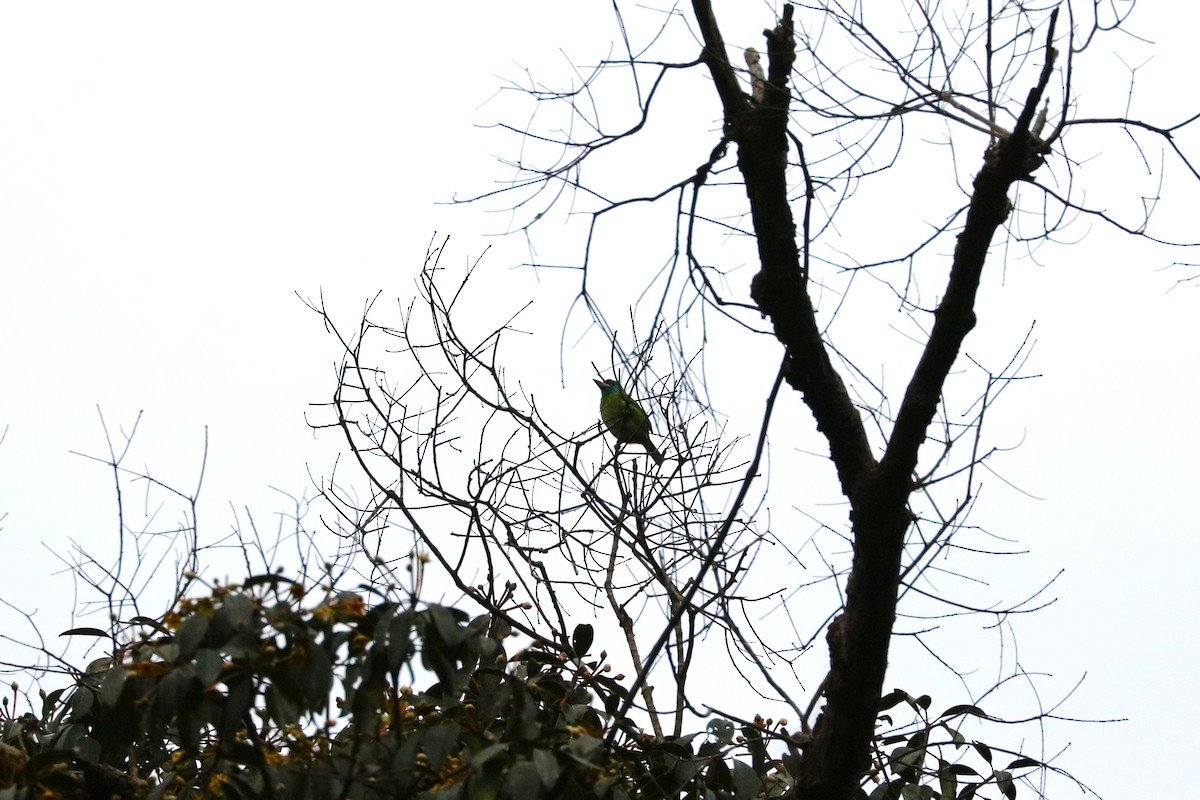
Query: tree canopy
520	605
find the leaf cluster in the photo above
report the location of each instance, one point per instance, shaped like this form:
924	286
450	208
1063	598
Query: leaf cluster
253	692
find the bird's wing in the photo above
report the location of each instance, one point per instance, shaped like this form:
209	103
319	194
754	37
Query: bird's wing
635	411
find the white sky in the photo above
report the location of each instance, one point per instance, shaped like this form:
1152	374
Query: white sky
171	176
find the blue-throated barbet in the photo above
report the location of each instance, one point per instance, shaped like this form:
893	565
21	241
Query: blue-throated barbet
625	418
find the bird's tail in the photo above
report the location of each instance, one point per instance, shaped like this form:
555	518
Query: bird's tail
657	456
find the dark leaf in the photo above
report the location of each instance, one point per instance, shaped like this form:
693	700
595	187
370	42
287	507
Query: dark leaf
547	767
191	634
581	639
892	699
282	707
448	622
112	687
177	690
718	775
85	632
487	754
722	730
584	748
958	739
259	580
208	665
50	701
439	742
888	791
1005	782
151	623
319	674
947	779
746	782
523	781
240	609
399	641
955	711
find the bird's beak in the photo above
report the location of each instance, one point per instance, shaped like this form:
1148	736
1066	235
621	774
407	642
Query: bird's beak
599	383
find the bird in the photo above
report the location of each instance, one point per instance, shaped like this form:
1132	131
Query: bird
625	418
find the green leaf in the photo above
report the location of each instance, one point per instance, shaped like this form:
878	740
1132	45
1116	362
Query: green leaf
439	742
435	658
947	779
191	634
1023	762
584	748
615	689
486	754
239	610
208	665
685	769
547	766
746	782
888	791
319	675
281	706
448	623
958	739
983	750
718	775
150	622
523	781
81	702
177	690
86	747
112	686
908	756
51	701
540	657
399	641
1005	783
238	701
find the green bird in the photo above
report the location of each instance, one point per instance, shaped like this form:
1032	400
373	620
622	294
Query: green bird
625	418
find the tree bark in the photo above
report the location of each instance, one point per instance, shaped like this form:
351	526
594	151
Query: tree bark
878	490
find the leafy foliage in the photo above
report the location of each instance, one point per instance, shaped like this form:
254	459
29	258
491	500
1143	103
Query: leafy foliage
251	693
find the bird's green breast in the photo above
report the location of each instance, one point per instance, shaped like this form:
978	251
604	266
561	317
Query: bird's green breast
627	421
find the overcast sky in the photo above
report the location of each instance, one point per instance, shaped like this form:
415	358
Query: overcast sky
172	176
